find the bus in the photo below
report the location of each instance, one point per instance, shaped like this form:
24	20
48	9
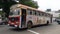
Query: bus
22	16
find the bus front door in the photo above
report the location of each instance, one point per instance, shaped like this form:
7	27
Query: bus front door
23	18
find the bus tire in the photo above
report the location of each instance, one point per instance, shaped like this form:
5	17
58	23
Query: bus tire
47	23
29	25
17	27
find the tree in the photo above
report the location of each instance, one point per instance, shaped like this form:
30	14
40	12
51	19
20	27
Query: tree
29	3
5	4
0	4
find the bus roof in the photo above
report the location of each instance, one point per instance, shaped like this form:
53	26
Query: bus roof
26	7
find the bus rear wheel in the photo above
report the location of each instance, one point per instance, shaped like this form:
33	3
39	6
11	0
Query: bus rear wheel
47	23
29	25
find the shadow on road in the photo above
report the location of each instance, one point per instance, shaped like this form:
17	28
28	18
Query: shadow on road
2	26
15	29
41	25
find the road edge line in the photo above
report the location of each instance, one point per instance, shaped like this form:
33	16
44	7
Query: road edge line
33	31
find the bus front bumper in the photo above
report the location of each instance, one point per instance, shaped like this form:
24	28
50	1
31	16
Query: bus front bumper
12	25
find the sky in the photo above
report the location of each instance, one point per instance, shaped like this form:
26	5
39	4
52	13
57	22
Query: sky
48	4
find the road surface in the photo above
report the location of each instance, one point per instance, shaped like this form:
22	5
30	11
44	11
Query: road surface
54	28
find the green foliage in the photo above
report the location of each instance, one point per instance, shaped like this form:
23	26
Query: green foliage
5	4
1	12
29	3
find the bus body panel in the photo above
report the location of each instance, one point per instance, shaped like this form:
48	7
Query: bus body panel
32	18
36	19
14	21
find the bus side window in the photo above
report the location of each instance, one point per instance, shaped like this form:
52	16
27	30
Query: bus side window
34	12
29	12
19	11
37	13
42	14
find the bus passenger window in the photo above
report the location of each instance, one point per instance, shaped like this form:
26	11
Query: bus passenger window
35	12
39	14
29	12
42	14
18	12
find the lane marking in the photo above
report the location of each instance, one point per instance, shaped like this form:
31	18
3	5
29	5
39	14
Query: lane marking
33	32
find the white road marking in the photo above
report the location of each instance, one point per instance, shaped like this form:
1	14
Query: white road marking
33	31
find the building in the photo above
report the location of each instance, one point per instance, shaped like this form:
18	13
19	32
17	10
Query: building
55	14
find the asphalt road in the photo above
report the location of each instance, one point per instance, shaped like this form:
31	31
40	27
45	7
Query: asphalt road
54	28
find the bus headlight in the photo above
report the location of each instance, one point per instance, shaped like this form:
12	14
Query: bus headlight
15	25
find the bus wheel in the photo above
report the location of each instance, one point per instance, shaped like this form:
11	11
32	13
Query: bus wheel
47	23
29	25
17	27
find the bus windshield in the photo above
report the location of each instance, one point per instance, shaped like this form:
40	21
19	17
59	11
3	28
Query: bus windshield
14	12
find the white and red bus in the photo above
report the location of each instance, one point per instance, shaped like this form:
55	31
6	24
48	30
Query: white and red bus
22	16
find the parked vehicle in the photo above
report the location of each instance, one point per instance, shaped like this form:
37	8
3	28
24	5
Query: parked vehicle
57	20
1	20
5	21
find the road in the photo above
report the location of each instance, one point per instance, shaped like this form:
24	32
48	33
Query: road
54	28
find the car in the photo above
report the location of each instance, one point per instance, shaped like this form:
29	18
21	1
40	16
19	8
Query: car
5	21
1	21
57	20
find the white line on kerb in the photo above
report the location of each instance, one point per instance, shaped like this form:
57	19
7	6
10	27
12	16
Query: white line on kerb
33	31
